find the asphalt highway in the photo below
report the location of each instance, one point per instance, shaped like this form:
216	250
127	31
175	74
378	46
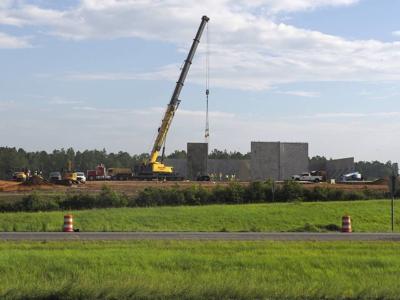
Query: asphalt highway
239	236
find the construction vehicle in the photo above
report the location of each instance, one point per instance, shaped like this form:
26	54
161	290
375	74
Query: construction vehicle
55	177
69	177
154	169
307	177
80	176
120	173
35	179
354	176
99	173
20	176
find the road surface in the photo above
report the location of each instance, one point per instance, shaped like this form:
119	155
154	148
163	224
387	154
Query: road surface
240	236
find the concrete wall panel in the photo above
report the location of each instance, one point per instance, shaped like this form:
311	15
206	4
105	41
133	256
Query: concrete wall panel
239	169
337	167
197	157
293	159
265	160
278	161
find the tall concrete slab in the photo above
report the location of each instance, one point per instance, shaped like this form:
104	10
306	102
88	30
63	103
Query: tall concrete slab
265	160
197	157
278	161
293	159
335	168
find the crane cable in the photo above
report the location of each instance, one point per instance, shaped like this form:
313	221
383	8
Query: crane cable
207	130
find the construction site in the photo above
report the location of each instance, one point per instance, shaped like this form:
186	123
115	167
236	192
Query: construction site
276	161
278	222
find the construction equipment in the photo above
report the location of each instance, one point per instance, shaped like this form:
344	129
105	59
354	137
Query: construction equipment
99	173
35	179
120	173
207	130
20	176
154	169
355	176
69	177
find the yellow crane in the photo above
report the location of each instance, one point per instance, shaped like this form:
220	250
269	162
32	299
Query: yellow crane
154	169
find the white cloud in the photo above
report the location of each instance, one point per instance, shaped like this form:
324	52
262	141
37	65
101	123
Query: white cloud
275	6
7	105
156	111
249	50
11	42
63	101
396	33
305	94
354	115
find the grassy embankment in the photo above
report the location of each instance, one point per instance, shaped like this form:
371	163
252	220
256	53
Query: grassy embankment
183	269
372	216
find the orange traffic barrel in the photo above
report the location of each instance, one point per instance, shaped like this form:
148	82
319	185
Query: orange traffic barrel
346	224
68	224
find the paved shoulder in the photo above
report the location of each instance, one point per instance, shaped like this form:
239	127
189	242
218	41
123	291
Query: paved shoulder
241	236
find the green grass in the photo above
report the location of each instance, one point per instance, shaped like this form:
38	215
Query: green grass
372	216
192	270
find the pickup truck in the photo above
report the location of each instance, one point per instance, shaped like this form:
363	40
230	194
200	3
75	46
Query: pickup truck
307	177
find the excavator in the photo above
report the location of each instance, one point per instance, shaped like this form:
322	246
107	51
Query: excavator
154	169
68	176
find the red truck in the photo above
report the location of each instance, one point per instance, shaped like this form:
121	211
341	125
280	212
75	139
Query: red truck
100	173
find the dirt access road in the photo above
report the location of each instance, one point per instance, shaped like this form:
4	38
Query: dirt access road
132	187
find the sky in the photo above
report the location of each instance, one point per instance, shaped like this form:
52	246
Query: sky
94	74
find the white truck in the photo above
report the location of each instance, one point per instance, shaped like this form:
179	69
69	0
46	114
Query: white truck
307	177
355	176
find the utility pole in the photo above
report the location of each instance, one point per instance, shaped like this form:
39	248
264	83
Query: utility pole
393	188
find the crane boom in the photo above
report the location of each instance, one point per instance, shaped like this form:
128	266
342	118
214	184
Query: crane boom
174	103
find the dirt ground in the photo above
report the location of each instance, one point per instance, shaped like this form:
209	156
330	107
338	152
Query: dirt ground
132	187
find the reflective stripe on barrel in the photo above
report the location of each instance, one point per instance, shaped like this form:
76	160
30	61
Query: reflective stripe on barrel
346	224
68	224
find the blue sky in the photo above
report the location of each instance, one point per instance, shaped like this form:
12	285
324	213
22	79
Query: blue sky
98	74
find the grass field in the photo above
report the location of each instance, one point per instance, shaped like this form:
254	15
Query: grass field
372	216
192	270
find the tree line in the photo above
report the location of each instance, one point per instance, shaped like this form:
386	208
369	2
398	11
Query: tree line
13	159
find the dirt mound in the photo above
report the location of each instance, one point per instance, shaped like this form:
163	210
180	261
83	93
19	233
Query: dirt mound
35	180
14	186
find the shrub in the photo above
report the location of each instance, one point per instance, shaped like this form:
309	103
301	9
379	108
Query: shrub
203	195
149	197
290	191
374	194
233	193
10	206
193	196
355	195
270	191
172	196
34	202
110	198
336	195
79	201
254	192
